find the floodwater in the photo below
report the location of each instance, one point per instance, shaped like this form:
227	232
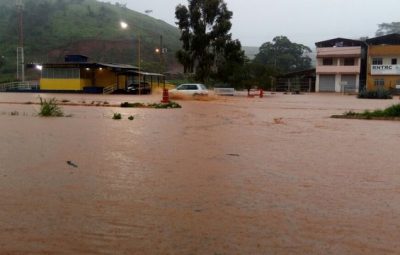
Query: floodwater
227	176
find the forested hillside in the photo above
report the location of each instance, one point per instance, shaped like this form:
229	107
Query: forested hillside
53	28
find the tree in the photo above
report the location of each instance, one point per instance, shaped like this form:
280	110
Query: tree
230	63
2	61
284	55
206	42
388	28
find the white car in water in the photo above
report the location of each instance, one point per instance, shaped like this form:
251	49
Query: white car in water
190	89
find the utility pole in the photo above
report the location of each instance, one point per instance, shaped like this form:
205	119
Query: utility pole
20	47
140	63
162	54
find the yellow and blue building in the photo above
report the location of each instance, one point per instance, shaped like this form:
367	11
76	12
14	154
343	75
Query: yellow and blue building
76	74
384	62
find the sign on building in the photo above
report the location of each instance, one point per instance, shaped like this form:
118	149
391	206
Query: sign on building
385	70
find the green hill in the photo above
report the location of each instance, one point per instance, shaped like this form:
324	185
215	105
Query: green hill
53	28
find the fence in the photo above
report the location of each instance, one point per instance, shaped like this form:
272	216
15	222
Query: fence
20	86
225	91
294	85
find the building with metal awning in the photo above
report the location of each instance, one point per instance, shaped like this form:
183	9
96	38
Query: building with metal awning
77	74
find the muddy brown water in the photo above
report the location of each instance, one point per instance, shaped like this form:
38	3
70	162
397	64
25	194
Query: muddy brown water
228	176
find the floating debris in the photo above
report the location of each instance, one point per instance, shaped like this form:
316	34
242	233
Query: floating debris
72	164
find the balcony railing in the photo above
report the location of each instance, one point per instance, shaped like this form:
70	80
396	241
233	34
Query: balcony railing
338	69
338	52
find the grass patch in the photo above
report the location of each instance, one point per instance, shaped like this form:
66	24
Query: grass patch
390	113
117	116
379	93
132	105
131	118
50	108
170	105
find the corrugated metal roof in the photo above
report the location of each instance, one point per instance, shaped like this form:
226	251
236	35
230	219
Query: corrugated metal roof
121	66
391	39
339	42
80	64
147	74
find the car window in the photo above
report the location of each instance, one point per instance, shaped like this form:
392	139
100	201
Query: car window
182	87
192	87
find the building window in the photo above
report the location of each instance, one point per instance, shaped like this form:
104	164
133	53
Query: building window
61	73
398	83
327	62
349	62
394	61
377	61
379	82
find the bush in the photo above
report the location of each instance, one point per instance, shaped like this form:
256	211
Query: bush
379	93
117	116
170	105
350	113
132	105
50	108
390	112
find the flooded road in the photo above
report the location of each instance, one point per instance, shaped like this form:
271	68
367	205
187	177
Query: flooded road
228	176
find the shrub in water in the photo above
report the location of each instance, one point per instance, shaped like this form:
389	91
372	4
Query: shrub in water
390	112
379	93
117	116
170	105
131	105
50	108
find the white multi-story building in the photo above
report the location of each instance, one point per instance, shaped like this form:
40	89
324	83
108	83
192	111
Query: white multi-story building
340	65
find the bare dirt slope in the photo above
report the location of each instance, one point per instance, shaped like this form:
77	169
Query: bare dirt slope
230	176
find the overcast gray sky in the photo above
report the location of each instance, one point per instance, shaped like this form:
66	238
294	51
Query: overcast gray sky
303	21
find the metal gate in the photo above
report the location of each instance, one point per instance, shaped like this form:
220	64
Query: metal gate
349	82
327	83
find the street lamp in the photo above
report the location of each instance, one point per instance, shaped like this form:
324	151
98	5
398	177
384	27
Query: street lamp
39	67
125	26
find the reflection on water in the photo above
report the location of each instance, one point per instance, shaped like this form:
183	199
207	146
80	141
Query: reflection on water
216	177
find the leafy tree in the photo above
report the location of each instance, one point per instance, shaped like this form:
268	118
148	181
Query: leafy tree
2	61
207	44
284	55
388	28
230	63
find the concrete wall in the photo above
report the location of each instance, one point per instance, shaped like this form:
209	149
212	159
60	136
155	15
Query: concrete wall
339	52
61	84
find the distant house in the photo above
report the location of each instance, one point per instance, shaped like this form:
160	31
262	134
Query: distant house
299	81
341	65
384	62
76	74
